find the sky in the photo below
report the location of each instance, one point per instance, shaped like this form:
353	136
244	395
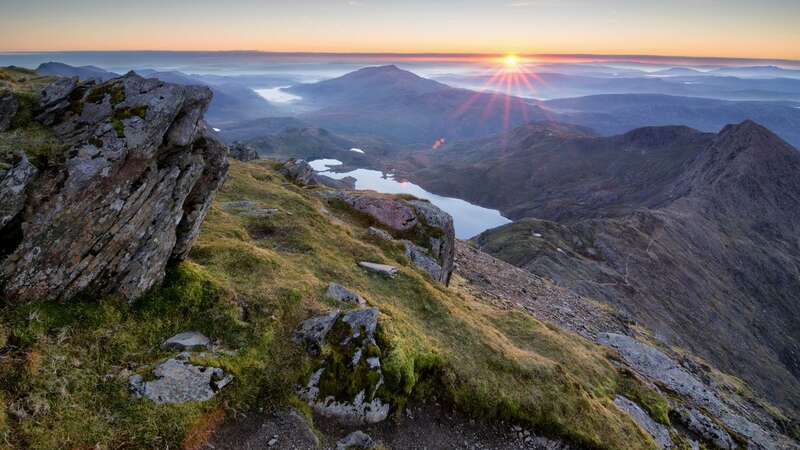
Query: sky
724	28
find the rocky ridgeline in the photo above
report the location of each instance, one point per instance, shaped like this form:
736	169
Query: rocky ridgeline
136	178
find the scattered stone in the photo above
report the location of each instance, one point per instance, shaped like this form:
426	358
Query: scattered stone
189	340
260	212
243	152
140	171
346	183
382	269
355	440
342	294
705	427
354	335
179	381
272	442
379	234
659	432
8	109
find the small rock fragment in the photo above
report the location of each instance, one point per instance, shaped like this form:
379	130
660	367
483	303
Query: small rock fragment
379	234
355	440
189	340
382	269
342	294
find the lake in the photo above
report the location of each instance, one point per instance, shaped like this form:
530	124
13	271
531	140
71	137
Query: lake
468	219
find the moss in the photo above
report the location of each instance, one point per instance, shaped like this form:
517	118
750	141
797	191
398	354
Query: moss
127	113
115	90
653	402
119	128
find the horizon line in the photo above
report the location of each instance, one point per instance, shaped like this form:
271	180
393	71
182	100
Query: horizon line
590	56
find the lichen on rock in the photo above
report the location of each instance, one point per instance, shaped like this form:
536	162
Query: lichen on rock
346	381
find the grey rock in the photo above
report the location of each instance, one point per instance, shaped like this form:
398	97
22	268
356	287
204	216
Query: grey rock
361	321
420	258
705	427
238	204
659	367
355	440
13	188
442	244
243	152
189	340
342	294
379	234
260	212
299	171
312	332
659	432
8	109
382	269
141	170
346	183
179	381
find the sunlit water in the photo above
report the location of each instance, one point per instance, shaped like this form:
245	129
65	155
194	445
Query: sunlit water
468	219
277	95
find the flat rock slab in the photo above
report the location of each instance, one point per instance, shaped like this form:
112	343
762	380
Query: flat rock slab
342	294
179	381
189	340
382	269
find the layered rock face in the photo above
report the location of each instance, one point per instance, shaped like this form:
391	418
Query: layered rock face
427	231
135	181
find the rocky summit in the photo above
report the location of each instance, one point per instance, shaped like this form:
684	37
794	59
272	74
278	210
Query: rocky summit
125	191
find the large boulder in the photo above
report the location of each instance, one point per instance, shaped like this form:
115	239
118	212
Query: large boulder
13	188
427	230
346	382
137	177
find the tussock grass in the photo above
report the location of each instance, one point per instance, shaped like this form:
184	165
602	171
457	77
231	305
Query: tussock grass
248	291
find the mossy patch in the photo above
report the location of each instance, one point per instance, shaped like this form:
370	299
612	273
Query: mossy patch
115	90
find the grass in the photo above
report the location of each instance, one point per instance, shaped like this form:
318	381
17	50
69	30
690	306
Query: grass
247	284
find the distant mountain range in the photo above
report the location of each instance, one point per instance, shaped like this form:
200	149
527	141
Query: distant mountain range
406	109
696	235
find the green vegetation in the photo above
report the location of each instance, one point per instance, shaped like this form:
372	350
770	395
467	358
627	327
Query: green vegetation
37	141
248	283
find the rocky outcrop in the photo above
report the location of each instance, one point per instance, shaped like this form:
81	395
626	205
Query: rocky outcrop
243	152
427	229
138	175
345	384
179	381
299	171
659	368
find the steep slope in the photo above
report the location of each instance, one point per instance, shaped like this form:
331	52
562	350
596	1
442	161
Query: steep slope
716	269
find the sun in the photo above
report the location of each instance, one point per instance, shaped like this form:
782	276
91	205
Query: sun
511	61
